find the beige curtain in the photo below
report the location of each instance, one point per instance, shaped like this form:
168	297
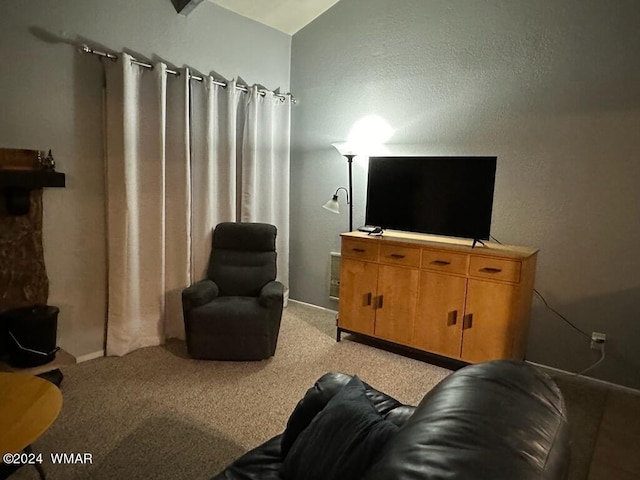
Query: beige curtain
265	169
181	157
214	157
240	166
147	215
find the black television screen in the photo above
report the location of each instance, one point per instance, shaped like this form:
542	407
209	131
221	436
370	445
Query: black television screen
450	196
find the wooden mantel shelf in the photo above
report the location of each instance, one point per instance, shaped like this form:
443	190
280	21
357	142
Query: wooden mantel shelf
30	179
22	171
16	185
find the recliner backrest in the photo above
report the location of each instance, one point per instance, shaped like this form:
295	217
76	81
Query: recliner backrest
243	258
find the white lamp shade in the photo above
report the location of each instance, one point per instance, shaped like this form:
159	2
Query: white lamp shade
332	205
344	149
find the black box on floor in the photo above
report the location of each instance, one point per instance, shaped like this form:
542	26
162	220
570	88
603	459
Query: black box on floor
31	335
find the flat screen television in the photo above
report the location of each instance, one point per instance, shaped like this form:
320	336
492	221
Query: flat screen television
451	196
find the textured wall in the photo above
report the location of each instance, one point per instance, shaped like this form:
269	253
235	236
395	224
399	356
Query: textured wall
551	88
51	97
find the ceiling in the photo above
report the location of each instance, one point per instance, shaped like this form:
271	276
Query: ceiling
288	16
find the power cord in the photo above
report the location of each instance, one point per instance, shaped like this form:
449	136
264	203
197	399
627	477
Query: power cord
591	367
549	306
560	315
565	319
495	239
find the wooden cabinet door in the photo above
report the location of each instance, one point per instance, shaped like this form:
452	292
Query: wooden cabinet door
489	322
395	303
357	290
438	321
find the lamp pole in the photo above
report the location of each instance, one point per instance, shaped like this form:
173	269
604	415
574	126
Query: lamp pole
350	161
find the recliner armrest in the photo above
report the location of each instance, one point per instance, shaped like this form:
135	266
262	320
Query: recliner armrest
198	294
272	292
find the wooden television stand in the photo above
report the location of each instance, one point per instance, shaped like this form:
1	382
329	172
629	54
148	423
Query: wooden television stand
437	294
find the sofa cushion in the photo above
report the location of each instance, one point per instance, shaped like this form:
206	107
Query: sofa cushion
310	405
342	441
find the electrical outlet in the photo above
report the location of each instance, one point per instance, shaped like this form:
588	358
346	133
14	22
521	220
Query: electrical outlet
597	340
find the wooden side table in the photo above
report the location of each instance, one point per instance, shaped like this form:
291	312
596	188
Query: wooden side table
28	407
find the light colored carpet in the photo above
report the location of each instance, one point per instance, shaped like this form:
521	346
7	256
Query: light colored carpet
157	414
586	403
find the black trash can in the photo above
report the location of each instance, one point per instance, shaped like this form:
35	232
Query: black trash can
31	335
4	338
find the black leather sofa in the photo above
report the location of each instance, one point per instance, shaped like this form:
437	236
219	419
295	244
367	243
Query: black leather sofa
490	421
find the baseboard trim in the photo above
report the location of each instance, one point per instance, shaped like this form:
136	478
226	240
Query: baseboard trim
90	356
314	306
588	379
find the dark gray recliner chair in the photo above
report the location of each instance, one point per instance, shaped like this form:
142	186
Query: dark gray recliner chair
235	313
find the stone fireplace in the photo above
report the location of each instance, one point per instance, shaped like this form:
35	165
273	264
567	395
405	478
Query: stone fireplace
23	276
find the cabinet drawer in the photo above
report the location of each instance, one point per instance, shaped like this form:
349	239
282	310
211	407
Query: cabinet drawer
495	269
396	255
359	249
445	261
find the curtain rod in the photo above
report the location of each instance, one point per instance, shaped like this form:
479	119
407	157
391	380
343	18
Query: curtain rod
243	88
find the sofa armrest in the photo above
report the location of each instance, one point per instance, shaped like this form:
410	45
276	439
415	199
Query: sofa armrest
491	421
308	407
325	388
272	293
198	294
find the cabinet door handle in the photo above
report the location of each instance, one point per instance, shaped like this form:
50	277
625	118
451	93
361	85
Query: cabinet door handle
396	255
440	263
366	299
490	270
358	250
467	321
378	302
452	318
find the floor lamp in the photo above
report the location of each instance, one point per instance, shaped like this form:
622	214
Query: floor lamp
332	205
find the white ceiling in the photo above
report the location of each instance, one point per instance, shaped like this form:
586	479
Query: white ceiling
288	16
